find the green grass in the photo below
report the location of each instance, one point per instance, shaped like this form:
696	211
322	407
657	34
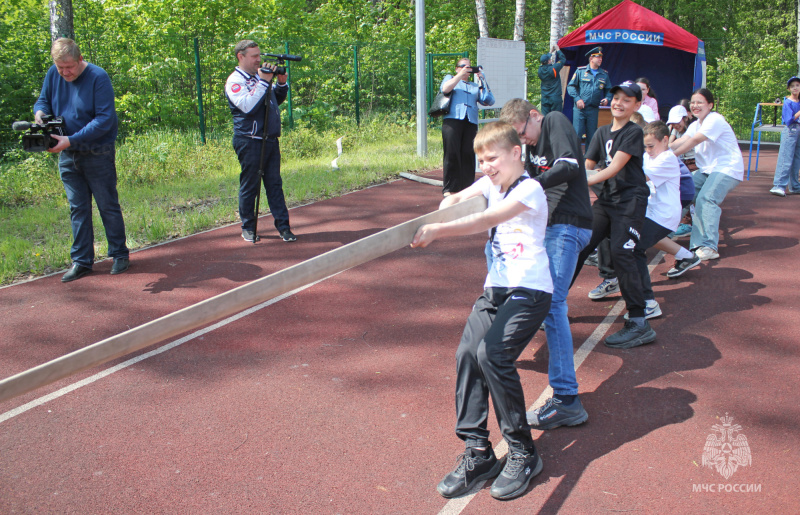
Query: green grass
170	185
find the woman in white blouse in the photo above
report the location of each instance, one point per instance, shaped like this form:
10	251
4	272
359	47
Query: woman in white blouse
720	169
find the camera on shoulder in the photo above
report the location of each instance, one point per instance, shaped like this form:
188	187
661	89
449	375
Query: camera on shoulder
39	137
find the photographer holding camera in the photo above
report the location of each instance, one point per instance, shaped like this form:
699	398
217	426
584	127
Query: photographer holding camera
81	94
460	125
249	90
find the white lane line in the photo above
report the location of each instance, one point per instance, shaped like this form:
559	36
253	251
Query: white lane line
89	380
457	505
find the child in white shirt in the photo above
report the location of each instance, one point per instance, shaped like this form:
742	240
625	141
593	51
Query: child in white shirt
515	302
662	169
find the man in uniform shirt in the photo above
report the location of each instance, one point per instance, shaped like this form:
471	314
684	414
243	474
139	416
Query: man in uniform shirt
551	82
589	88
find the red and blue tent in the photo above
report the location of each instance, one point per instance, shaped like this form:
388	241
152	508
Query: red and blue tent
640	43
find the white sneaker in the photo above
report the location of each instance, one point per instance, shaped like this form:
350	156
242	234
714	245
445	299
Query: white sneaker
778	191
706	253
651	310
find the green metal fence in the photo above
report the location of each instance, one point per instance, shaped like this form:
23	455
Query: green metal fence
177	82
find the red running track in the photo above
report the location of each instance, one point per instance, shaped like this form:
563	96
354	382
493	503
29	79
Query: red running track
339	398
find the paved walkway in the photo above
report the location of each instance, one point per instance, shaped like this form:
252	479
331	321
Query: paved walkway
339	398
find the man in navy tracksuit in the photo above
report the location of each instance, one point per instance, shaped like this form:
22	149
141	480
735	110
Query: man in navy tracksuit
249	90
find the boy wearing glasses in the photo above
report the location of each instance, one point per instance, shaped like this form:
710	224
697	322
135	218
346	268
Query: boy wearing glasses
554	159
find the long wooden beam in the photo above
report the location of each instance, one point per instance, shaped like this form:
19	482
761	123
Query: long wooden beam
230	302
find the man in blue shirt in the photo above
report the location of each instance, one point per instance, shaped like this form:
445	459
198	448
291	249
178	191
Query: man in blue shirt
81	93
589	87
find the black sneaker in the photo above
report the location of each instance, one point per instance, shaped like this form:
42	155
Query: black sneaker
248	235
517	474
472	466
682	265
591	260
554	413
287	235
76	272
632	335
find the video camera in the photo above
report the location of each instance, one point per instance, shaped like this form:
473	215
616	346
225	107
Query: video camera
39	137
280	60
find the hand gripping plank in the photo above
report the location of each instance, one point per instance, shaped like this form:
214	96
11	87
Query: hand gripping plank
233	301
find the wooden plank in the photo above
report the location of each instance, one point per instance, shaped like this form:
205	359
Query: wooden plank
230	302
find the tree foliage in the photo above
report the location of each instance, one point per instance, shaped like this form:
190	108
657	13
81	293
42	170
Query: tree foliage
148	48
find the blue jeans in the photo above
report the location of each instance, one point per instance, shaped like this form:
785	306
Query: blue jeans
585	121
788	160
88	174
710	190
563	243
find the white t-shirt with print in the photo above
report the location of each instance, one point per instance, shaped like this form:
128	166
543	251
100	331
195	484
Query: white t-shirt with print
664	203
520	259
720	152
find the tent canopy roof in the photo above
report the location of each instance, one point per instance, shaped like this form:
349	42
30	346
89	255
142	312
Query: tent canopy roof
629	22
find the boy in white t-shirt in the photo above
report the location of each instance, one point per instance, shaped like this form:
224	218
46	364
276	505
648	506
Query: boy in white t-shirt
515	302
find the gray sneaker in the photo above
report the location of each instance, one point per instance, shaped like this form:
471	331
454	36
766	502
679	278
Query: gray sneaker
554	413
683	265
604	289
248	235
520	468
631	335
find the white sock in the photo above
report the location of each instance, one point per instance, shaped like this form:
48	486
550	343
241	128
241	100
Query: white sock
683	254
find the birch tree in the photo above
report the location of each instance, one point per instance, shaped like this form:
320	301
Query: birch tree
519	21
560	19
61	19
483	25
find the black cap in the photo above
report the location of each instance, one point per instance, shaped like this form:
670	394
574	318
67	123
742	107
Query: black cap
630	88
598	50
789	82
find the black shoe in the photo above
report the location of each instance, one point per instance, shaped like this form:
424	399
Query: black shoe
120	265
248	235
517	474
632	335
554	414
591	260
472	466
287	235
76	272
